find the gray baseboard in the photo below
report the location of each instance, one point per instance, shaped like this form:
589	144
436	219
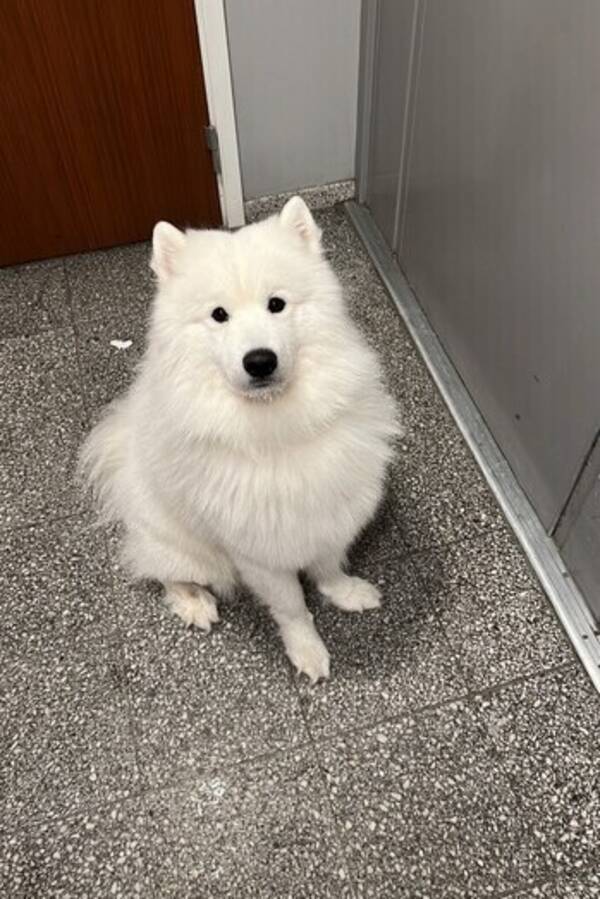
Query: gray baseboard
320	197
540	549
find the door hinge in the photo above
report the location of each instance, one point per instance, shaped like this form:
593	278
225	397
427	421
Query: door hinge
211	137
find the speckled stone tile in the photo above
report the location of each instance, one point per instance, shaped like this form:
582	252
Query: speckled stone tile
55	582
262	829
316	198
108	370
474	826
107	281
545	731
341	245
382	534
96	854
441	495
492	610
425	810
383	661
43	422
578	886
373	310
199	700
442	501
65	736
33	298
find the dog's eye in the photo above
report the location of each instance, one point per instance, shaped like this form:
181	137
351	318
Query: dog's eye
276	304
219	314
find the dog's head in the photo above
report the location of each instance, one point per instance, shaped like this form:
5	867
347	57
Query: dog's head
243	309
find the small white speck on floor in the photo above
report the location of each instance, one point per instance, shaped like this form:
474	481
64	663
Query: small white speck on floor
121	344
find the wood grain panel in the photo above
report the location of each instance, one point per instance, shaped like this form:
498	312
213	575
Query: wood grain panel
102	107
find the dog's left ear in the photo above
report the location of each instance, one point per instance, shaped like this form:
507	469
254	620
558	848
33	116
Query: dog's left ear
167	244
296	216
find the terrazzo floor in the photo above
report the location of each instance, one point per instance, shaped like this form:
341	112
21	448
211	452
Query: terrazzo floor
455	752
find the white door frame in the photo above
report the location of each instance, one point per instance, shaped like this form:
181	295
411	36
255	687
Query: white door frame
214	50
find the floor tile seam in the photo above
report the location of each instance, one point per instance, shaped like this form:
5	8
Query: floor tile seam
466	675
187	777
489	691
491	753
247	759
341	847
43	520
496	759
552	880
114	633
144	791
43	293
305	737
503	758
48	329
146	851
58	815
75	324
482	536
344	857
412	712
133	731
59	330
463	670
480	605
415	552
440	544
417	715
54	822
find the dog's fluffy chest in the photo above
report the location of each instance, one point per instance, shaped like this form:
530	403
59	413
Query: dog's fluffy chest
286	508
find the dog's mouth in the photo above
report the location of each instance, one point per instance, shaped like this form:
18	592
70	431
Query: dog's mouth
264	388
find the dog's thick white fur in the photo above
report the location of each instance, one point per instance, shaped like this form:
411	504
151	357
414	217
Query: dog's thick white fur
219	473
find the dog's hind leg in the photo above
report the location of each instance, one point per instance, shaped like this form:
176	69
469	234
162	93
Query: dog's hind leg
351	594
281	592
193	604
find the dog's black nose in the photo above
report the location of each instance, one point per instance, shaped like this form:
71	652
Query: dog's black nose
260	363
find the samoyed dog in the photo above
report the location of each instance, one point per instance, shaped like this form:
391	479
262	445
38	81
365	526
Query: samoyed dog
254	440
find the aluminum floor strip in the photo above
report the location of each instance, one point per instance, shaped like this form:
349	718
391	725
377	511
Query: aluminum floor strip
540	549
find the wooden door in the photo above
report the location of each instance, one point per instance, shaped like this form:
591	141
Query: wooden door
102	111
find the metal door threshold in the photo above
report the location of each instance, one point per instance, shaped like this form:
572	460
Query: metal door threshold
543	555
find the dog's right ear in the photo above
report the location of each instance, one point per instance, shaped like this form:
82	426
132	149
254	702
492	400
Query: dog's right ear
167	245
296	216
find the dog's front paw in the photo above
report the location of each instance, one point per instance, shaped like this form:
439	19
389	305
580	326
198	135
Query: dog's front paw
352	594
196	607
306	651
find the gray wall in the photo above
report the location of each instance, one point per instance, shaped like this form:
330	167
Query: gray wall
295	70
499	231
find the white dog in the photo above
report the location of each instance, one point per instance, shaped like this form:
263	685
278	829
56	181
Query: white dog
254	440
